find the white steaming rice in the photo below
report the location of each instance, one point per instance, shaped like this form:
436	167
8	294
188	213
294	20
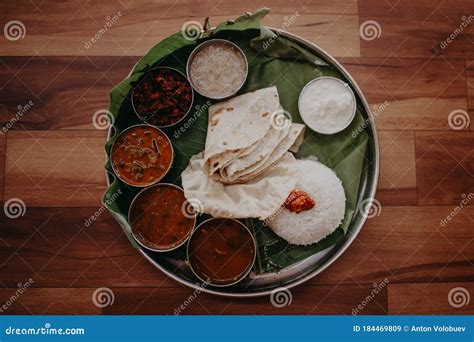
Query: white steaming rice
310	226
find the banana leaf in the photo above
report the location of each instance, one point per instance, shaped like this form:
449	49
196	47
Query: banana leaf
273	60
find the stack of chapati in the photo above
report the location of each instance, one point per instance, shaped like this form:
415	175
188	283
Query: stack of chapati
245	169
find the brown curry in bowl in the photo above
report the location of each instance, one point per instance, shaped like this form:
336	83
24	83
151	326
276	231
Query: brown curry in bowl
159	219
141	155
221	252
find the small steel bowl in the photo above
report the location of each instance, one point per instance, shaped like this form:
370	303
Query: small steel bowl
147	244
114	167
215	42
184	115
208	281
354	101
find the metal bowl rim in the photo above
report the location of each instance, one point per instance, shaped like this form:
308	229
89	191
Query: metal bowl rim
117	174
145	74
141	243
354	109
245	274
196	50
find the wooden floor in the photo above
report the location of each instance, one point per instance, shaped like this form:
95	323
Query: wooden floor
52	156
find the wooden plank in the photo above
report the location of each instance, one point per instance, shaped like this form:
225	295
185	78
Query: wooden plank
72	91
431	299
418	28
408	244
49	301
70	25
335	33
420	97
470	90
397	180
55	168
57	248
445	167
3	139
340	300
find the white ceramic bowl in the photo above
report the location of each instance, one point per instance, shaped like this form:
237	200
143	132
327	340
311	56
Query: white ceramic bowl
305	114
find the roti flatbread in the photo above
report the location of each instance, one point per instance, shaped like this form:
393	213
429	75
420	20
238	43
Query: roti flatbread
237	124
258	198
292	140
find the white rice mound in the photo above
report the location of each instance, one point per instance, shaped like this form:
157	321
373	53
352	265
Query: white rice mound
311	226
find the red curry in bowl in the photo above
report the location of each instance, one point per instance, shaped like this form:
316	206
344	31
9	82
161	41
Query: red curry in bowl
221	251
158	217
141	155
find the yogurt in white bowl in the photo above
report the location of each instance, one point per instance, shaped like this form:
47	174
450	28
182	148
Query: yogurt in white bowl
327	105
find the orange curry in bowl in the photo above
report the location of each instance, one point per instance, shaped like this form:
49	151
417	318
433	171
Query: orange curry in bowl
158	217
221	251
141	155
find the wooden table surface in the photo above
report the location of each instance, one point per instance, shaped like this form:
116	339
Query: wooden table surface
52	155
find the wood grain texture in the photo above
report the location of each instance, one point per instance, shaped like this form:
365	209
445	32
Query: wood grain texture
3	144
74	89
57	248
410	94
69	25
470	90
418	28
445	167
48	301
397	180
408	244
52	168
305	299
429	298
